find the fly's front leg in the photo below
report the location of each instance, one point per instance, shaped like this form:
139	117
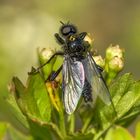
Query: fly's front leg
53	75
59	39
37	70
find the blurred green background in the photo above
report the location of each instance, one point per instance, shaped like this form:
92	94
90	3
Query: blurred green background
26	25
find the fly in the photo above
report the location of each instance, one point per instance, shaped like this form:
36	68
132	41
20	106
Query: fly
81	75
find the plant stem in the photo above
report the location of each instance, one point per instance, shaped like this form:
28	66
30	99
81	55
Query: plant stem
71	120
62	123
86	124
97	136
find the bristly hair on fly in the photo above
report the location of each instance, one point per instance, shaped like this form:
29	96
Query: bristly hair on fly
62	22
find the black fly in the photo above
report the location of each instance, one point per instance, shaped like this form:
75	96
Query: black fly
81	75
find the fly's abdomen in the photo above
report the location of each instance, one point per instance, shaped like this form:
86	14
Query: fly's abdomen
87	91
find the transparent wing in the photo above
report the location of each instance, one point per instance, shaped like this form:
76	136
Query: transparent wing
94	77
73	83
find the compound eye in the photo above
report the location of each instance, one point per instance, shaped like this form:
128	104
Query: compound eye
66	30
73	29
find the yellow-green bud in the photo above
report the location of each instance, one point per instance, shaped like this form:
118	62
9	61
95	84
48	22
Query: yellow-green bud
99	60
89	39
44	55
114	59
114	51
116	64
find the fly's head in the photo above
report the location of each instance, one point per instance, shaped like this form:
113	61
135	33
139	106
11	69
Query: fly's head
73	39
67	30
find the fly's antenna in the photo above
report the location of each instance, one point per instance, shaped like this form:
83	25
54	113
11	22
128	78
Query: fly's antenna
62	23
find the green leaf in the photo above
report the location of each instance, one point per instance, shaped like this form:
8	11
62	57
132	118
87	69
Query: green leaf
123	90
58	63
15	105
19	93
13	134
19	120
104	116
129	99
86	116
34	100
44	131
130	115
126	97
3	128
80	136
137	134
118	133
37	98
10	133
120	87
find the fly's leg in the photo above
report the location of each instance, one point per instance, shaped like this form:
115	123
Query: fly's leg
99	68
53	75
87	90
55	54
82	35
59	39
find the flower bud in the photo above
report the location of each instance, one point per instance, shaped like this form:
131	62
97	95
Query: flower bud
99	60
114	60
116	64
44	55
114	51
89	39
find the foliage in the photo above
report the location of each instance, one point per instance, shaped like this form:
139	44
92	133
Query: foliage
38	104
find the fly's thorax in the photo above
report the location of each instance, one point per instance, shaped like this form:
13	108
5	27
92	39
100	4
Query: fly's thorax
74	57
74	44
